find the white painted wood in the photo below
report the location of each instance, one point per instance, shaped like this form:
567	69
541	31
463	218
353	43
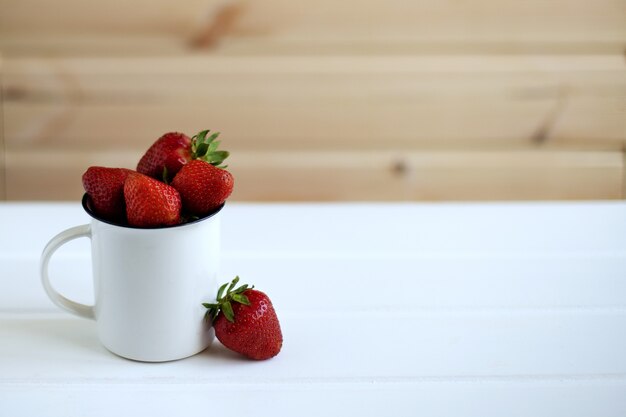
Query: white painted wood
446	282
404	309
431	396
352	346
488	362
385	230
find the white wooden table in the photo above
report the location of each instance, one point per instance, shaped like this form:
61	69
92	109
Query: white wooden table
387	309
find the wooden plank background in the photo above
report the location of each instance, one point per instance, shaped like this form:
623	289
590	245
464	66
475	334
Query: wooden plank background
368	100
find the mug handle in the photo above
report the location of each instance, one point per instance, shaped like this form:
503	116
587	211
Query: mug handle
55	243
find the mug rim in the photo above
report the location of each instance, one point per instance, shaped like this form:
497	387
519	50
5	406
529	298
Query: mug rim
86	206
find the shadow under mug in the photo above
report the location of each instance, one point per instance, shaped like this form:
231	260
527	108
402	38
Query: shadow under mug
149	285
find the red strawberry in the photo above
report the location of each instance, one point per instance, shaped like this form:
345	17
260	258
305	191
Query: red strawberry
245	321
150	203
105	187
203	187
171	151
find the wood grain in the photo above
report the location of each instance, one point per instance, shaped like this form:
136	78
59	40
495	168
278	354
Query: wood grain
354	175
433	20
370	100
426	20
76	17
244	27
313	103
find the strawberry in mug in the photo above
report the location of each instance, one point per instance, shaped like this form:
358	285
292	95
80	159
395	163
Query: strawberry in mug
179	180
146	198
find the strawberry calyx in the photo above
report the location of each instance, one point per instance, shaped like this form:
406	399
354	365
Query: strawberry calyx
204	147
224	302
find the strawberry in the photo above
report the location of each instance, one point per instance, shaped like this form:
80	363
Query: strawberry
105	187
245	321
171	151
150	203
202	187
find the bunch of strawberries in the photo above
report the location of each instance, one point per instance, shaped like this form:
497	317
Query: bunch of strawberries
178	179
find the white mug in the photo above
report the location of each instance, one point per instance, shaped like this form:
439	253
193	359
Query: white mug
149	285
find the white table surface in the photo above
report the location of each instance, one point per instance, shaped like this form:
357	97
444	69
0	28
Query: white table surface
387	309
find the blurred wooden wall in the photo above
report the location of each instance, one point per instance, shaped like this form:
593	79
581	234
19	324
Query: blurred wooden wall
324	100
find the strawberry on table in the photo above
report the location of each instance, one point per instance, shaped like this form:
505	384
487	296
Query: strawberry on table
171	151
150	203
245	321
105	187
203	187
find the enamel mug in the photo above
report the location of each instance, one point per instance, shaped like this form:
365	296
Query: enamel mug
149	285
